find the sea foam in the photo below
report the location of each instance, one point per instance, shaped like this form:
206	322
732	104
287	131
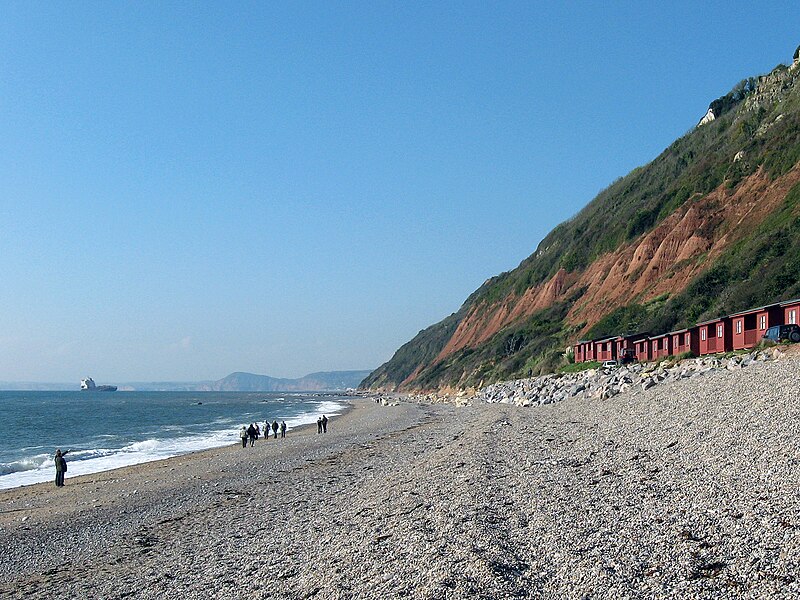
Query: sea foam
40	467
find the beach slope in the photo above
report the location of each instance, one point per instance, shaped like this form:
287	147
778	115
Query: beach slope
688	489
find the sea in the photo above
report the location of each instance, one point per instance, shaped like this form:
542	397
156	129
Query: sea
107	430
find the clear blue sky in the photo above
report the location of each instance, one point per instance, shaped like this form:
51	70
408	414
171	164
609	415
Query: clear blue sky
190	189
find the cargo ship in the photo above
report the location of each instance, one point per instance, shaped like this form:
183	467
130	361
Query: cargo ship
88	385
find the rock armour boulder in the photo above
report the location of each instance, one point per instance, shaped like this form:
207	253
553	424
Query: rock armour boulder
604	383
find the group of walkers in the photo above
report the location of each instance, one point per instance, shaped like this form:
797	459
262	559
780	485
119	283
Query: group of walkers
252	433
246	434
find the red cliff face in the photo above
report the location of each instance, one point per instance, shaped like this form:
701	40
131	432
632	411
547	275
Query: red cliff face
626	265
665	260
484	321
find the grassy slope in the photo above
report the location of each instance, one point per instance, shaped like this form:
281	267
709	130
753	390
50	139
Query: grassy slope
758	269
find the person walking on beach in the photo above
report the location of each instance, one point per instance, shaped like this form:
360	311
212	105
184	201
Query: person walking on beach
61	467
266	430
283	429
324	424
258	430
251	433
275	430
319	424
243	435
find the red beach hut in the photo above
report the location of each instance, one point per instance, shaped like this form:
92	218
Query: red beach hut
749	326
660	346
685	340
584	351
642	349
791	312
577	351
625	343
606	349
715	336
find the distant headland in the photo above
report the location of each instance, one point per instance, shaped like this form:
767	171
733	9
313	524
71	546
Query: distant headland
324	381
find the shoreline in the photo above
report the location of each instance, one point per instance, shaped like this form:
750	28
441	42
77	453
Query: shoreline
343	402
142	469
684	490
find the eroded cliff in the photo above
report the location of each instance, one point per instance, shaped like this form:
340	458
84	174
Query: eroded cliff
707	228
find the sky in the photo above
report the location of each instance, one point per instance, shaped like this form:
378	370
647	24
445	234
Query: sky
189	189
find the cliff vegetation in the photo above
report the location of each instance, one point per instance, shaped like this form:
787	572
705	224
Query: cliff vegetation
709	227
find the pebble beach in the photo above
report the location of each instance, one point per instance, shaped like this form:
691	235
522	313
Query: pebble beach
688	489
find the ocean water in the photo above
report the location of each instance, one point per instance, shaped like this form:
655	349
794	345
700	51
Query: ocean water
106	430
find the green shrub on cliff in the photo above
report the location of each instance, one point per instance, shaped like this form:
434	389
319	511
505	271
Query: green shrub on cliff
757	128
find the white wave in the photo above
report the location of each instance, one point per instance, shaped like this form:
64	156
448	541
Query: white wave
84	462
37	461
40	467
143	446
328	408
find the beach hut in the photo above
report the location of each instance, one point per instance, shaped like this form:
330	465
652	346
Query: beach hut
685	340
748	326
625	345
715	336
577	351
660	346
642	347
791	312
584	351
588	350
606	349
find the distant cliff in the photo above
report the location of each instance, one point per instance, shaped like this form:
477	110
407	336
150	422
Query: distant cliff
248	382
709	227
329	381
315	382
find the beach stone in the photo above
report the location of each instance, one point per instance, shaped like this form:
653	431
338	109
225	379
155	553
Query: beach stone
687	491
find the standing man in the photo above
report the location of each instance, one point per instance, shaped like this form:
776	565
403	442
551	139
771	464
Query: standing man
283	429
324	424
61	467
275	430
